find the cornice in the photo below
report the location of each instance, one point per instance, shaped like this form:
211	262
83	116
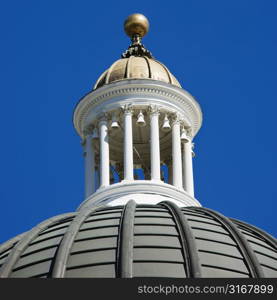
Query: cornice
167	95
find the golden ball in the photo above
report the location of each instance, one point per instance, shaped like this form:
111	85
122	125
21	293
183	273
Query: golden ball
136	24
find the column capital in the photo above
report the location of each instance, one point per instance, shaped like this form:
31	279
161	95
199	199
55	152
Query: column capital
103	117
88	130
127	109
188	130
176	119
154	109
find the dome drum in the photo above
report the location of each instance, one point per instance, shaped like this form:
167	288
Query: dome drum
141	134
142	139
138	149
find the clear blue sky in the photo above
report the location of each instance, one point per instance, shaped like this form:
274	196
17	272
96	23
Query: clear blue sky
222	52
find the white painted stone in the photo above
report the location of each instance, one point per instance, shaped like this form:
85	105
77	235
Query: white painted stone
143	188
177	176
155	145
104	154
140	93
188	169
128	145
89	166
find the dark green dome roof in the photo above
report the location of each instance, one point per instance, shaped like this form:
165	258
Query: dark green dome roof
141	241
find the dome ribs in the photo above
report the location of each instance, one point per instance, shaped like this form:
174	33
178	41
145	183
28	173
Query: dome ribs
244	247
192	265
128	68
7	247
25	241
93	253
124	267
264	246
149	68
136	67
141	240
167	72
109	72
64	248
271	240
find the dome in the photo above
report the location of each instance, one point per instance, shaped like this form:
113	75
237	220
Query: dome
136	240
136	62
136	67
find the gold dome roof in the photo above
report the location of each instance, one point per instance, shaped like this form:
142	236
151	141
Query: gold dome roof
136	62
136	67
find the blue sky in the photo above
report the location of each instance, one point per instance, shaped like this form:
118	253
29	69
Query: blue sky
222	52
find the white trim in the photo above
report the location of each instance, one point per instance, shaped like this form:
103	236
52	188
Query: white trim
104	154
107	195
139	92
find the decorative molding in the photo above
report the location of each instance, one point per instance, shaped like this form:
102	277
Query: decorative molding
146	88
114	191
189	131
136	49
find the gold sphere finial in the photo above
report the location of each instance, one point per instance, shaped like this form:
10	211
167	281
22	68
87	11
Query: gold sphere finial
136	24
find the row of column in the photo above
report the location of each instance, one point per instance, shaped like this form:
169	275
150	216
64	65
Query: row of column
182	171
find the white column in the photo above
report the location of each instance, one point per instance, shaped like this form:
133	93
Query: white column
128	144
188	169
104	153
176	154
155	144
89	166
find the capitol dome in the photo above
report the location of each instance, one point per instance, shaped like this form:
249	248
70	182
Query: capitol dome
140	216
136	67
135	240
136	62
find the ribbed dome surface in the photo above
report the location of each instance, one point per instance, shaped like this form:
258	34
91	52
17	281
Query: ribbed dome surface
141	241
136	67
